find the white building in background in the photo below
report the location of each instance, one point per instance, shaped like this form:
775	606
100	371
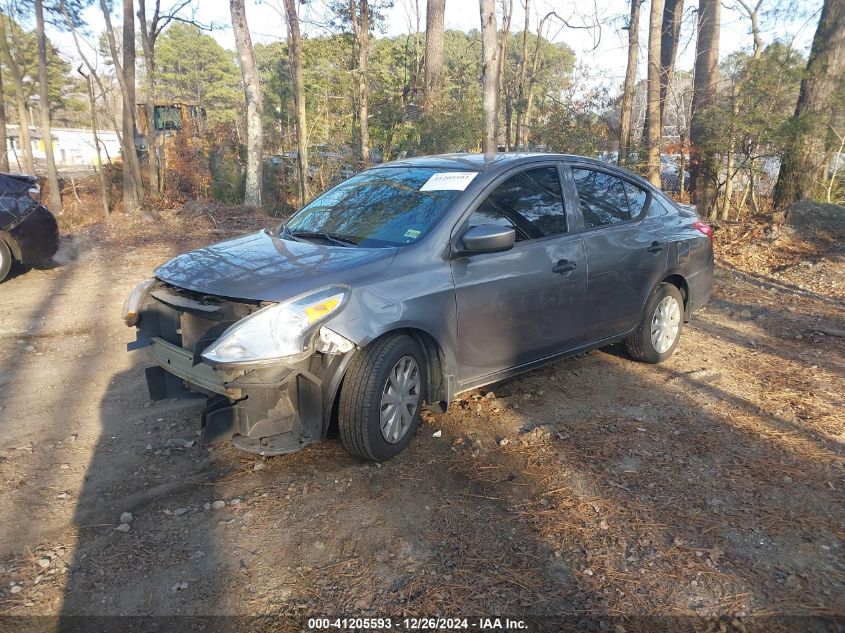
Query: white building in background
71	147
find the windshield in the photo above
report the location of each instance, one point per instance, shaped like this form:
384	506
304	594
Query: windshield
380	207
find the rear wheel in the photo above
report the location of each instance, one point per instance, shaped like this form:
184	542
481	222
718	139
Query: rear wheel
381	398
660	328
5	260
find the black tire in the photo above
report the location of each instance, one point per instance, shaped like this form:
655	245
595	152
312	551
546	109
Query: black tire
359	411
5	260
639	344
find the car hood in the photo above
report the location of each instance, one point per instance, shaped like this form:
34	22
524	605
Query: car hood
262	267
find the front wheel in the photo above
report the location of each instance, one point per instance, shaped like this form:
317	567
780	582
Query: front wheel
381	398
5	260
657	336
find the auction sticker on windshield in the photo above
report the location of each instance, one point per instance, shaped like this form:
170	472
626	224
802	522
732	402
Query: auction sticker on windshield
449	181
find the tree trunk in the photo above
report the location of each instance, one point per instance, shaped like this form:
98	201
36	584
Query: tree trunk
20	99
703	161
672	13
127	94
252	92
44	107
148	44
131	198
502	53
520	88
4	139
753	14
653	92
630	79
361	30
434	12
101	177
489	80
535	69
295	58
731	157
803	160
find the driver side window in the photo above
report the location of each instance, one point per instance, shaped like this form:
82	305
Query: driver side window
531	203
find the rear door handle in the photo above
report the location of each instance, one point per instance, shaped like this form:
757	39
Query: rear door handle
655	247
564	267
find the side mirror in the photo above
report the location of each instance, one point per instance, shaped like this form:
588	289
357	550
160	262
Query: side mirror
487	238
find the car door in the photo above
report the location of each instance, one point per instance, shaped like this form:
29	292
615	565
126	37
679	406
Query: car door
524	304
626	251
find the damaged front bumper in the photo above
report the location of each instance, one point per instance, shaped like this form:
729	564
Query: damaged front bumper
269	410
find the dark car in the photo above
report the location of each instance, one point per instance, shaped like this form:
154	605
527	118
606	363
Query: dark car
412	282
29	233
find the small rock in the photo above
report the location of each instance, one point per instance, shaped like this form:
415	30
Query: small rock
603	525
236	501
504	441
16	589
44	563
180	511
29	348
259	466
178	442
123	527
588	572
490	395
437	434
126	517
787	480
217	505
179	586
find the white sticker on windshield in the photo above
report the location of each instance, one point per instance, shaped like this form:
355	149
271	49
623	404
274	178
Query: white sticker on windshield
449	181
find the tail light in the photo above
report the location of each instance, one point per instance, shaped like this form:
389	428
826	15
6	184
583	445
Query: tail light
703	228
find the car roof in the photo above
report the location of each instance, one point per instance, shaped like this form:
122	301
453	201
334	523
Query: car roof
500	161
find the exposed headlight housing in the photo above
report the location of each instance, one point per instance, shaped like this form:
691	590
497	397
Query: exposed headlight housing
277	331
132	305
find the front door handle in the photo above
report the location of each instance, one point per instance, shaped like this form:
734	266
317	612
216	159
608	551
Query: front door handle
655	247
564	267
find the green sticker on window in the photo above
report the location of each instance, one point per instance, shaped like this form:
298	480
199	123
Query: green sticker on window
412	233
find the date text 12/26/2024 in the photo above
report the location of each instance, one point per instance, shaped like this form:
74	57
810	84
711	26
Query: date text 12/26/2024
416	624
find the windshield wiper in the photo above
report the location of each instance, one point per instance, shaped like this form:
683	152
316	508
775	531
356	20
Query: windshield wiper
340	240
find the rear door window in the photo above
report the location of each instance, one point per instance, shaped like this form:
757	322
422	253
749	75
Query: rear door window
530	202
603	197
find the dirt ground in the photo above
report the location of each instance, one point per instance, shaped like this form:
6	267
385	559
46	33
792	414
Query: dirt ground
597	488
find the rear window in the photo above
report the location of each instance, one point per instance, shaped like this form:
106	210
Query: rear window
383	207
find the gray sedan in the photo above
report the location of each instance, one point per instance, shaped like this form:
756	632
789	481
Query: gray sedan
412	282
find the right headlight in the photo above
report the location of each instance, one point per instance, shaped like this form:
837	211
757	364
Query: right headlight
278	331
